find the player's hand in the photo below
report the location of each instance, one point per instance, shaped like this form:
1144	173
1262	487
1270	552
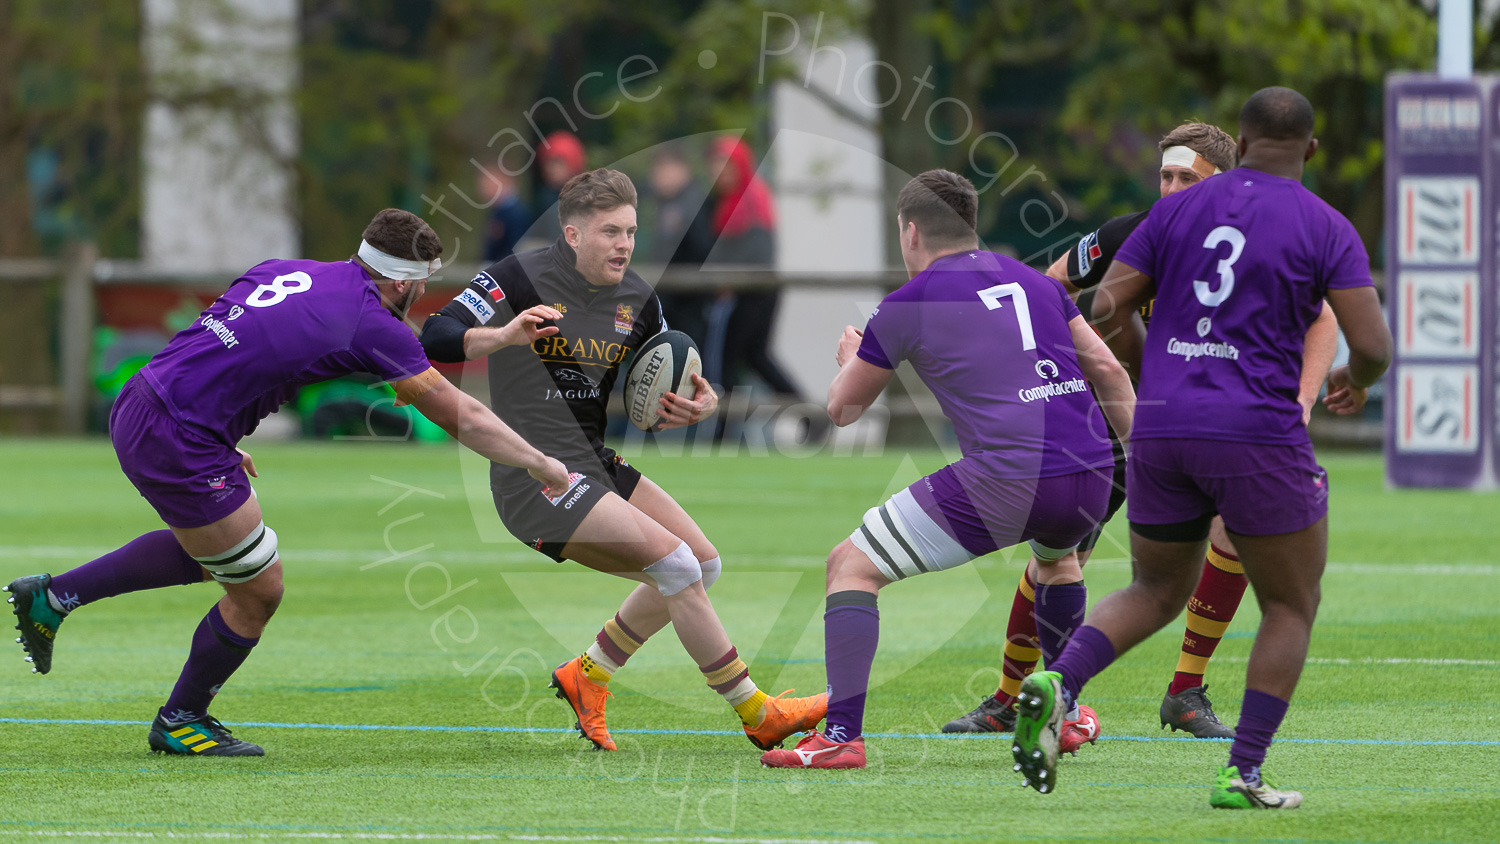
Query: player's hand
678	412
848	344
247	463
1344	398
553	475
527	327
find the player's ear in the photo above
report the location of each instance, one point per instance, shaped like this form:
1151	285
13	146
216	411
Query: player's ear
1312	149
572	235
1241	147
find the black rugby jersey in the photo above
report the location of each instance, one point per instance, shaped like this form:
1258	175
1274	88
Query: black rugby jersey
1090	260
554	393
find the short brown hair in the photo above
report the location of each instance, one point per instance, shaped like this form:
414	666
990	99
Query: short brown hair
943	204
402	234
594	190
1209	141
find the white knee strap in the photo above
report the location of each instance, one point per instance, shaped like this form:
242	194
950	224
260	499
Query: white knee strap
711	570
676	571
1050	555
246	560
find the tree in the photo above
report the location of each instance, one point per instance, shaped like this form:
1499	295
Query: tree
1123	72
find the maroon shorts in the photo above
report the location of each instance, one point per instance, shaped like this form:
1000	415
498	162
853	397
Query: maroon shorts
190	478
1258	489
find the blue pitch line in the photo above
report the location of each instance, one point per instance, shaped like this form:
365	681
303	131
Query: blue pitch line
430	728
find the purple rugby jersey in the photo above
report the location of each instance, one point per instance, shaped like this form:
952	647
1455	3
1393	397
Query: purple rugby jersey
1241	264
279	326
990	337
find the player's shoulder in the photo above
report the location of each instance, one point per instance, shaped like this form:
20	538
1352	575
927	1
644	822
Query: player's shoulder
1119	228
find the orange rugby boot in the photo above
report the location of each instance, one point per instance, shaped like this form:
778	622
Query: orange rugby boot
587	699
783	716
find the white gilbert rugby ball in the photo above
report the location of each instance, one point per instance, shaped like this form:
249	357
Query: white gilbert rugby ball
665	364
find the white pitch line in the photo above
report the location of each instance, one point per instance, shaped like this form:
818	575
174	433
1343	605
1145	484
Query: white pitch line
1371	660
420	836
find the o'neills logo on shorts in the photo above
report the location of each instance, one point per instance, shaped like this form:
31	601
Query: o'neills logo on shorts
1047	391
1202	350
221	331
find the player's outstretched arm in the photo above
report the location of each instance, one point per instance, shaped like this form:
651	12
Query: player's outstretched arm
1116	313
1318	350
471	423
448	340
1058	272
858	383
1111	384
1363	322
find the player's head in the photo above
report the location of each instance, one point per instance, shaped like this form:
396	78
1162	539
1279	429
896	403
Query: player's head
401	251
937	213
597	212
1276	125
1191	153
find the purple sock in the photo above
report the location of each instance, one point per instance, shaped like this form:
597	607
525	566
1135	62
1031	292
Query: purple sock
851	632
1059	611
1260	717
217	653
1087	653
150	561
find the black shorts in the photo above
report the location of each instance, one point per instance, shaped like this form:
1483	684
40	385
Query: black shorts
1116	495
546	524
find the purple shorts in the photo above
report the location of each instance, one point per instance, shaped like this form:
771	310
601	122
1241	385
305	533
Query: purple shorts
1259	490
986	514
190	478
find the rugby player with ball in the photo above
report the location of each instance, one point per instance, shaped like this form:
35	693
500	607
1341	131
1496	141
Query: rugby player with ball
556	324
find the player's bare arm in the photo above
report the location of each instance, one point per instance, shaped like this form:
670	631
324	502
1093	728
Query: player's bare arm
1117	313
525	329
1318	350
680	412
473	425
1363	321
1116	396
1059	272
858	383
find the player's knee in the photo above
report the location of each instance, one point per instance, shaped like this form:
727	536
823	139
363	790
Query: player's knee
712	568
676	571
247	560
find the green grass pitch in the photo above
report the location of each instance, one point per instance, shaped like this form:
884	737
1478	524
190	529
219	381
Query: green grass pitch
400	691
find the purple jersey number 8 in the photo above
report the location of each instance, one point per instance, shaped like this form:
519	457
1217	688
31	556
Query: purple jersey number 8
279	289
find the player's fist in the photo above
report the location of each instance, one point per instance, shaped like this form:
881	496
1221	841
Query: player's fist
1343	397
553	475
849	344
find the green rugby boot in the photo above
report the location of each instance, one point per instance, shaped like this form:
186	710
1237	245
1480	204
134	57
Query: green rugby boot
1231	792
1040	712
36	620
200	737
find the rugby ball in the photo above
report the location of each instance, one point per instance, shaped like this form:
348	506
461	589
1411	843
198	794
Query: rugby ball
665	364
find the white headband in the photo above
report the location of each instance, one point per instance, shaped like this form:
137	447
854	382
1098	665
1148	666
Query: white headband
400	269
1182	157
